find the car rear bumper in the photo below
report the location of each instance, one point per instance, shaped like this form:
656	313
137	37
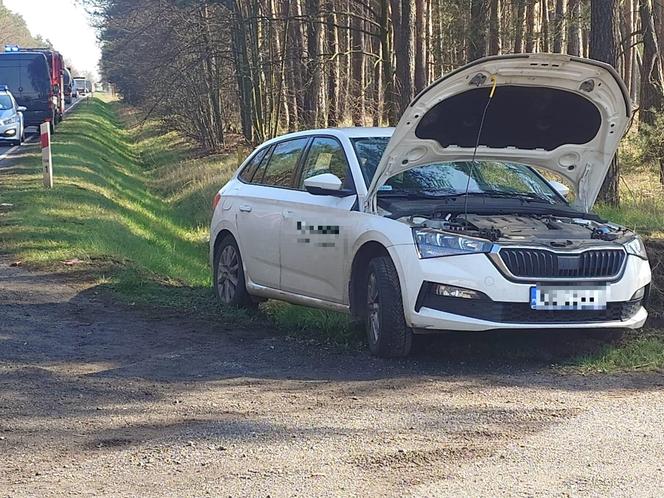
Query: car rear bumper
36	118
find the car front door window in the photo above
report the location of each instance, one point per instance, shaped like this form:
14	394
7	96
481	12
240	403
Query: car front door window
326	155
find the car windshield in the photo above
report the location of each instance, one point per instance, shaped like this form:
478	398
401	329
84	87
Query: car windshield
444	179
5	102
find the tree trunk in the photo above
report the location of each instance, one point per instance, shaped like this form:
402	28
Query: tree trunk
241	64
403	50
559	26
494	27
479	13
530	26
358	76
626	22
333	67
573	27
421	23
389	105
312	92
544	15
604	41
519	7
651	68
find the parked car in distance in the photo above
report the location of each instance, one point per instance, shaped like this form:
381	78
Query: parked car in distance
81	85
28	78
418	229
68	86
11	118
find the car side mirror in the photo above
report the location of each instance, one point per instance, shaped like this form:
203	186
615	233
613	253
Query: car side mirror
326	184
21	108
561	188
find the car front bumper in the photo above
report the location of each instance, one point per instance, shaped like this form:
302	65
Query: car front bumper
9	132
507	303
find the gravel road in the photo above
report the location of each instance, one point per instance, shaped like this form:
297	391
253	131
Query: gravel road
102	399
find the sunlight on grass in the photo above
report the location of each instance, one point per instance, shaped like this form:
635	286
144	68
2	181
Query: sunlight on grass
642	351
100	206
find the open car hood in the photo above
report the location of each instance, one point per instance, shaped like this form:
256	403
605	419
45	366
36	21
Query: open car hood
558	112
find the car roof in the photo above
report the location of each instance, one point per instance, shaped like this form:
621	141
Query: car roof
354	132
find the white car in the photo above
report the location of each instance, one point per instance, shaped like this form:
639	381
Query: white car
445	222
12	129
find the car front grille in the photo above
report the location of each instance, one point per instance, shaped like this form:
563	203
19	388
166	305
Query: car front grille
541	263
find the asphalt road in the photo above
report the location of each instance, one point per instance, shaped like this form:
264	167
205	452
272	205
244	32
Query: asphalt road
9	152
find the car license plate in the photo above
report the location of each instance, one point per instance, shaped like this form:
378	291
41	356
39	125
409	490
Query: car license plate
569	298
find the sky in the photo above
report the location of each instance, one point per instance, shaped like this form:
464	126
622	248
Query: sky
66	24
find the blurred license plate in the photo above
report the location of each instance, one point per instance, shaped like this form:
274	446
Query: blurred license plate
568	298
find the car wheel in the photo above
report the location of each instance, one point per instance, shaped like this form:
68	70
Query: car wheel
387	333
229	283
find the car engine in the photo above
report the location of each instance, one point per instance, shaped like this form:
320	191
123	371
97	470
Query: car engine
523	228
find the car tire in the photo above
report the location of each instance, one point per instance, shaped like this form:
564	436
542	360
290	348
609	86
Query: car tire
387	333
229	283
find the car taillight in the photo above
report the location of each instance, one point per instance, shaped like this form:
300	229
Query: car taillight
215	201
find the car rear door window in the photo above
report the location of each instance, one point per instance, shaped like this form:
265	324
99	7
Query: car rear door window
326	155
249	170
283	162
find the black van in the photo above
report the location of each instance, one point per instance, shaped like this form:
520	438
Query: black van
28	78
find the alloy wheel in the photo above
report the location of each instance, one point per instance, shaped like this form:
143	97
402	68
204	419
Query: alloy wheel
228	274
373	306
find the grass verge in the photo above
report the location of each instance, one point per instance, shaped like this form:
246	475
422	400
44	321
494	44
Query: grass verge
131	204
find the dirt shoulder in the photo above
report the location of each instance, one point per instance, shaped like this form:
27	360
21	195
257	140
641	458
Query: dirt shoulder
98	398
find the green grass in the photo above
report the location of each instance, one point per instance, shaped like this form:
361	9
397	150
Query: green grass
638	352
133	204
100	208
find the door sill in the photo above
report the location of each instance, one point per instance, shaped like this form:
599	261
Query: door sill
269	292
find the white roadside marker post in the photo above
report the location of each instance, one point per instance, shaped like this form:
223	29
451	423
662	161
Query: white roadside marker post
47	161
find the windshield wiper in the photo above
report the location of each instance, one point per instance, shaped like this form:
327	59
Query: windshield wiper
527	196
407	195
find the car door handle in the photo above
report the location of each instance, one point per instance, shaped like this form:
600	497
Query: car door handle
245	208
287	213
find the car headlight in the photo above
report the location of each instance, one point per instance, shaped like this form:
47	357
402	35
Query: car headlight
435	243
637	248
11	120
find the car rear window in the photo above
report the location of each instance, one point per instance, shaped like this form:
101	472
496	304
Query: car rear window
27	74
247	174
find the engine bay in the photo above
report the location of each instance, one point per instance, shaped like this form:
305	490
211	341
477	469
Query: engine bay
531	228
